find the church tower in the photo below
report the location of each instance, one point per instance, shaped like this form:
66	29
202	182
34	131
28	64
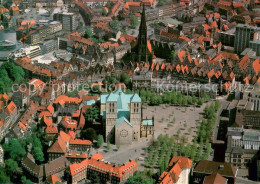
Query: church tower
135	116
111	118
142	39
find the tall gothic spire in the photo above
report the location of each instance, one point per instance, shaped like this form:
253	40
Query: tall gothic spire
142	38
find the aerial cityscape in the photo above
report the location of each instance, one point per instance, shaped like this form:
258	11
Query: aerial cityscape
130	91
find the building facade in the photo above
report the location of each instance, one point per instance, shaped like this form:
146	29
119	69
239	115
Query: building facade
242	145
122	115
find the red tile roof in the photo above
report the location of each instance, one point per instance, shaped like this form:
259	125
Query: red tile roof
244	62
184	162
215	179
63	99
11	108
53	179
51	130
97	156
79	141
256	66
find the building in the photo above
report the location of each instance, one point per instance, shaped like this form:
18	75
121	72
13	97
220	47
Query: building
105	171
69	22
178	171
242	145
227	38
205	168
56	26
252	95
243	35
147	128
37	173
122	115
255	45
248	119
30	52
49	46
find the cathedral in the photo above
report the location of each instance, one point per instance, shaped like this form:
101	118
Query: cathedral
122	115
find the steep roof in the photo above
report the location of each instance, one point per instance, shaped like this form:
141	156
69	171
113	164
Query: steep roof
121	120
184	162
53	179
215	179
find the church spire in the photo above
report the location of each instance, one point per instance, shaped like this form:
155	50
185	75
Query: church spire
142	38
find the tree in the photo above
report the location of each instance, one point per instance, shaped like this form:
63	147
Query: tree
172	55
201	101
104	12
125	78
15	150
4	178
114	24
11	166
217	105
144	177
89	134
133	21
92	114
108	145
38	154
100	140
88	33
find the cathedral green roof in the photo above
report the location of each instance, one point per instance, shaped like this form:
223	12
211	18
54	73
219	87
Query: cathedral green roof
147	122
121	120
136	98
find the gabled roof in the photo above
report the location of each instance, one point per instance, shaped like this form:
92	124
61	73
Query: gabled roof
184	162
53	179
136	98
215	179
121	120
11	108
256	66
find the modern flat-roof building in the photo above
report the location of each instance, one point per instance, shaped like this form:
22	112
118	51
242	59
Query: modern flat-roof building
243	35
69	22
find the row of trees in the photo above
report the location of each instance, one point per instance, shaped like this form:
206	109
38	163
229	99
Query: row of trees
207	124
10	73
173	97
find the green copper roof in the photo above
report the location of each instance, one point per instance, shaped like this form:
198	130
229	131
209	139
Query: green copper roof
121	120
147	122
136	98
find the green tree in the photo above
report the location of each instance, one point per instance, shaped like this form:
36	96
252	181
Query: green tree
88	33
4	178
108	145
134	21
100	140
92	114
38	154
217	105
11	166
15	150
89	134
200	101
172	55
125	78
95	178
114	24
